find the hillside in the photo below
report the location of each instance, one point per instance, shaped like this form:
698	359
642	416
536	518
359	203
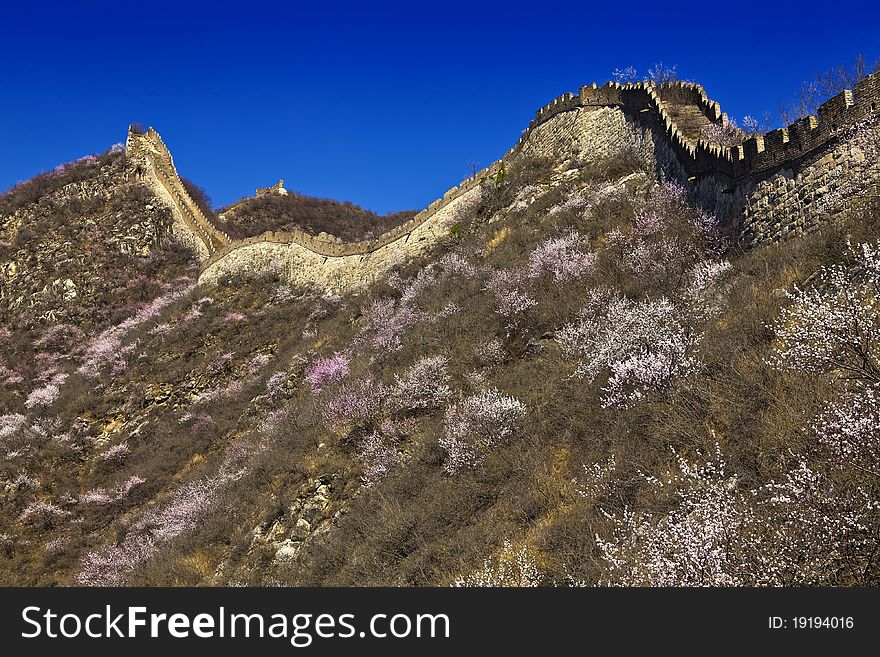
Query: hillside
622	354
272	212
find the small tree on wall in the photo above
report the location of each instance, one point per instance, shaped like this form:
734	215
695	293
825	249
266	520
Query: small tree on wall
661	74
825	85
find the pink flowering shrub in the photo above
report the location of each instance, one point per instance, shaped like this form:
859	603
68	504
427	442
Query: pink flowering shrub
58	336
57	545
202	421
23	481
490	352
42	515
13	378
276	382
508	286
387	322
424	385
353	403
97	496
702	280
511	568
179	513
423	281
11	424
47	394
128	485
275	421
850	428
377	457
835	325
457	265
665	238
476	424
110	565
231	389
325	371
193	313
566	258
257	363
574	202
821	532
117	452
724	134
642	344
101	496
798	532
649	370
106	349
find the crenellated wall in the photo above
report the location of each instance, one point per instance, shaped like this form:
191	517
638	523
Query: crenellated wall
766	187
152	161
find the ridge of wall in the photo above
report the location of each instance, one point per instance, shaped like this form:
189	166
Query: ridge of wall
698	157
150	150
612	94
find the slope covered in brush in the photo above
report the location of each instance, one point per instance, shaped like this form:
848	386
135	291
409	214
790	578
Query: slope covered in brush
586	382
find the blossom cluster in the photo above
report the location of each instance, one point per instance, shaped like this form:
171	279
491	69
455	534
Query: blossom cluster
47	394
835	324
110	565
850	428
423	385
512	567
107	349
724	134
566	258
377	457
327	370
352	403
508	288
665	238
642	344
476	424
796	532
388	321
42	514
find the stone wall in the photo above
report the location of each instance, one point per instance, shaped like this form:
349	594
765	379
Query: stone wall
767	186
277	188
795	198
152	161
299	264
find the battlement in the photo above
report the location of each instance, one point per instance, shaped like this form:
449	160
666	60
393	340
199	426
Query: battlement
774	149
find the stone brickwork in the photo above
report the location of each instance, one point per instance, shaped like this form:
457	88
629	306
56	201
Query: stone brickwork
794	198
767	185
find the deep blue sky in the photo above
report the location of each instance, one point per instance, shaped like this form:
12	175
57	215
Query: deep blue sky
385	106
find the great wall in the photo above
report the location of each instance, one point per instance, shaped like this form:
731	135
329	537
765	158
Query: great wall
768	187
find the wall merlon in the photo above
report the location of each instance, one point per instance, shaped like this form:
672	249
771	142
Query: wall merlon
776	140
833	111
